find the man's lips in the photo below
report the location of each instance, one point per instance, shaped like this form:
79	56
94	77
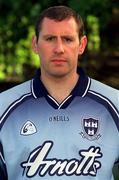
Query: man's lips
58	61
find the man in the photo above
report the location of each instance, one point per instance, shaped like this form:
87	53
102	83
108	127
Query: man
62	124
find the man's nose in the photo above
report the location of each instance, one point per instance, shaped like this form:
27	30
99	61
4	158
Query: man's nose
59	47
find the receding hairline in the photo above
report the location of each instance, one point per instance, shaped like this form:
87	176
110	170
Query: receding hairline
48	21
59	13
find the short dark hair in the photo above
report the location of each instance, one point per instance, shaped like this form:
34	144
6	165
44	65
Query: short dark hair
59	13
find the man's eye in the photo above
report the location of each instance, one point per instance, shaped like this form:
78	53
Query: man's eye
49	38
68	40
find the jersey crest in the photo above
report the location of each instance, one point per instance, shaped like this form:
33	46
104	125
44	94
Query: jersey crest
90	129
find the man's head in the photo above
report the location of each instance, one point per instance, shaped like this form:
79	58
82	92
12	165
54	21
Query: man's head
60	13
59	41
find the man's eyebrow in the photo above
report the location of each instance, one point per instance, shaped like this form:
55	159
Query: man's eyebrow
69	36
49	35
62	36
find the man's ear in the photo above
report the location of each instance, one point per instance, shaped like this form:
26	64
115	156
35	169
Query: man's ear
82	45
34	44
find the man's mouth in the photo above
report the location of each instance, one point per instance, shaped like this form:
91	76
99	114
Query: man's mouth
59	61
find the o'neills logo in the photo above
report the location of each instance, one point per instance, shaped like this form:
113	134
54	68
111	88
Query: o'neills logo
38	163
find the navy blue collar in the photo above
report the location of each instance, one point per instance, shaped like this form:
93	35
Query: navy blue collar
80	89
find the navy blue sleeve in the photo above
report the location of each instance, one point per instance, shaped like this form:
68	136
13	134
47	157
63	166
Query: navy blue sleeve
3	171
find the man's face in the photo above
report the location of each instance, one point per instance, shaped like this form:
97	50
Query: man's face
58	47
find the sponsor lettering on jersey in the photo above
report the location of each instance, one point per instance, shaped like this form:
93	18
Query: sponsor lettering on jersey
38	162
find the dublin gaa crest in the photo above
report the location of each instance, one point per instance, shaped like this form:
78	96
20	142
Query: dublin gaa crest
90	129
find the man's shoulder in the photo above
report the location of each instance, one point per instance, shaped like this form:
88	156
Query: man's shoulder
17	90
101	87
11	95
104	91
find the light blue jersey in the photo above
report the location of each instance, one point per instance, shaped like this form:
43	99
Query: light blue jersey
77	139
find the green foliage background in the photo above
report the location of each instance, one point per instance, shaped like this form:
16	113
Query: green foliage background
17	20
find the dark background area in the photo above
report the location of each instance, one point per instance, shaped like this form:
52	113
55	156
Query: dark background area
17	20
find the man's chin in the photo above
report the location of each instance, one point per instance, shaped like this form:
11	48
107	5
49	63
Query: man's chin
59	75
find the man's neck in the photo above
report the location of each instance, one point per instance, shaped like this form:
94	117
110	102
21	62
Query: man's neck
60	88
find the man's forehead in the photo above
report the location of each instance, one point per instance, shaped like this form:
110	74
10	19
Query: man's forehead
67	25
69	21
